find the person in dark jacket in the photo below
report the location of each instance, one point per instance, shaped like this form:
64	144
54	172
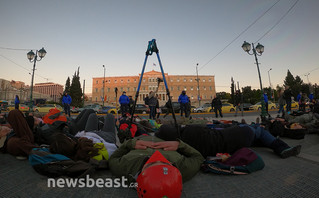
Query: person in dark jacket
66	102
287	97
16	102
183	101
217	106
153	101
209	141
266	102
131	104
124	102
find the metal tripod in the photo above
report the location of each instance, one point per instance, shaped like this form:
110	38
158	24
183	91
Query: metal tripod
152	47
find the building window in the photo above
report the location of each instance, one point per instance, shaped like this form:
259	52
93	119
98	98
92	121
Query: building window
177	79
134	88
162	87
134	80
191	80
192	97
185	80
96	90
172	88
121	89
171	80
95	99
115	81
185	88
128	80
108	89
203	80
204	88
210	80
143	79
163	96
121	81
191	88
210	88
149	88
205	96
97	82
128	89
177	88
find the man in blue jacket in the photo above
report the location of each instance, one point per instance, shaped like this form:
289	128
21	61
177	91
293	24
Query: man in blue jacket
66	102
183	101
124	102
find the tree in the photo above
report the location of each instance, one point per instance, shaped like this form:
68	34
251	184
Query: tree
76	90
295	84
67	85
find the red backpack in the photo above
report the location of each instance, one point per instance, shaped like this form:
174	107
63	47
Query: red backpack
54	115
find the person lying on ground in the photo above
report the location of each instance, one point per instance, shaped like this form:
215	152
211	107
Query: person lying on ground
88	143
136	160
19	140
209	141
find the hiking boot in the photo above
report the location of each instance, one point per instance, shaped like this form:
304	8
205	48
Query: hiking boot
292	151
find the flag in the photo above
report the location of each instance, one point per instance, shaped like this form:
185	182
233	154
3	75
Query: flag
154	64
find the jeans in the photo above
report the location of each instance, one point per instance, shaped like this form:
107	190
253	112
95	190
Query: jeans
263	135
152	112
281	109
184	109
67	109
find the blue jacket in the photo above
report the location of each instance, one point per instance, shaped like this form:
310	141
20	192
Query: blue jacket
298	97
265	98
66	99
16	101
311	97
183	99
124	99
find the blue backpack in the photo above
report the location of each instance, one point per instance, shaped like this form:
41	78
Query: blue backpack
242	162
56	165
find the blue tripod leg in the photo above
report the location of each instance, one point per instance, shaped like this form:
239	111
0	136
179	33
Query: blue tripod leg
167	91
138	89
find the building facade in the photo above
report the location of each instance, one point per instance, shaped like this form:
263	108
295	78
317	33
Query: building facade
54	90
176	84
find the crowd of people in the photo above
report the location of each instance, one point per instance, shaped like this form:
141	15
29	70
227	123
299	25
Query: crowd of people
146	155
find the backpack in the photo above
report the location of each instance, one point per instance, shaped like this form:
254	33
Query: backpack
56	165
242	162
53	116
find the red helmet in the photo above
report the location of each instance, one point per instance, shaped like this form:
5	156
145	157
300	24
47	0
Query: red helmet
162	180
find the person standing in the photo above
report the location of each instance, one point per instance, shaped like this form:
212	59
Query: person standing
152	101
16	102
281	103
124	102
237	102
266	102
66	102
217	106
131	104
183	101
287	97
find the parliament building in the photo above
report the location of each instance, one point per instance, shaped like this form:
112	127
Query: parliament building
176	84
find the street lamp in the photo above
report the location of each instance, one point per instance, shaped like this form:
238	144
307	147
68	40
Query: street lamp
33	57
197	79
271	89
103	85
308	77
257	51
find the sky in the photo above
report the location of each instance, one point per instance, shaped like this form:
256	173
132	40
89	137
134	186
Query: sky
90	34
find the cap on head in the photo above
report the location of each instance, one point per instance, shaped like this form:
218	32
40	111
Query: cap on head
162	180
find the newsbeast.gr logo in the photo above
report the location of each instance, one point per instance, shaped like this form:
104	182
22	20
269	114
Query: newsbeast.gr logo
88	182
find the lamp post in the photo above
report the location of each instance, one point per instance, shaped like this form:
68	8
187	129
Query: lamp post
197	79
103	84
271	89
257	51
308	77
33	57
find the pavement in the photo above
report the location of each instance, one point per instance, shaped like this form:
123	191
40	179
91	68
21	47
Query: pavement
291	177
